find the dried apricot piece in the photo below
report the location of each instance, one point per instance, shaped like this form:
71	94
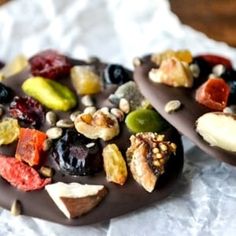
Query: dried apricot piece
213	94
114	164
30	146
9	130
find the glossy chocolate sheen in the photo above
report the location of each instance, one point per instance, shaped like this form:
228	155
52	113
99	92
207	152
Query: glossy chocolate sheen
184	119
119	200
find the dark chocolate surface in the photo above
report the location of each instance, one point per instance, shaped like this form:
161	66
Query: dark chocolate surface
183	119
120	199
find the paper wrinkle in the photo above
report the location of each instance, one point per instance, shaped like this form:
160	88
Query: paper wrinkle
204	202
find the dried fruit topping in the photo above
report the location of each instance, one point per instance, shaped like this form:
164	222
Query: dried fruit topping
6	94
98	125
27	110
85	80
147	157
20	175
50	93
30	146
213	94
181	55
9	130
2	64
232	94
49	64
145	120
172	72
18	64
131	93
116	74
218	129
213	60
76	199
77	155
114	164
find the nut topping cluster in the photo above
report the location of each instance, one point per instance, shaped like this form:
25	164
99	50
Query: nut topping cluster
147	156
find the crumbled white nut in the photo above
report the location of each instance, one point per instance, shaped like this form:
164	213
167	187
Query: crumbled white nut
87	101
124	105
194	68
90	110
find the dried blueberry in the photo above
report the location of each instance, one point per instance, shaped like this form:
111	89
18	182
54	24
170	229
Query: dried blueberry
229	74
77	155
1	64
232	94
49	64
27	110
205	68
6	94
116	74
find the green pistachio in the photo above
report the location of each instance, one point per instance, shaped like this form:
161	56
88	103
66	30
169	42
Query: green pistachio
145	120
50	93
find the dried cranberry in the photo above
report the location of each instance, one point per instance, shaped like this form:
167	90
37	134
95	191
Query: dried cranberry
27	110
49	64
77	155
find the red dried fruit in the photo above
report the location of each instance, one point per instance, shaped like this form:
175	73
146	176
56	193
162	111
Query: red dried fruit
20	175
49	64
27	110
213	60
213	94
30	146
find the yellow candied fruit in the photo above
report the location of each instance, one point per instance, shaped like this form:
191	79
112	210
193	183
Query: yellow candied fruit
9	130
18	64
114	164
182	55
85	80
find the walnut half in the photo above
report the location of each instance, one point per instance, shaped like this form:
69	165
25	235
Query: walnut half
98	125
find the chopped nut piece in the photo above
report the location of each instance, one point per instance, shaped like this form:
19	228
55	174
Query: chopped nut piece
114	164
146	163
172	72
46	171
98	125
124	105
172	105
76	199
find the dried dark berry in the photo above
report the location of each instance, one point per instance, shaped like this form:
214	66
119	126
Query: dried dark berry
232	94
116	74
49	64
229	74
2	64
6	94
27	110
77	155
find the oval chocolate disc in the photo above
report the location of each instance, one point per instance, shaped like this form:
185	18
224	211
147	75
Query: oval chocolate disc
119	200
183	119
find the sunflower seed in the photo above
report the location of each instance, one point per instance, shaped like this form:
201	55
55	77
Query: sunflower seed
87	101
172	105
65	123
47	144
124	105
16	208
218	70
194	68
51	118
74	115
54	133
